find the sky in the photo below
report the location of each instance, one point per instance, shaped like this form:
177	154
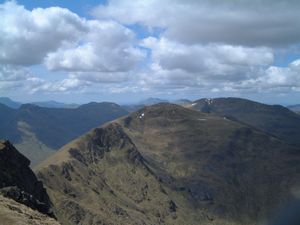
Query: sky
125	51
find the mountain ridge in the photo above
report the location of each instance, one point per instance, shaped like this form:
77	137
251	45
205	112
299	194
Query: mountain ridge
203	167
274	119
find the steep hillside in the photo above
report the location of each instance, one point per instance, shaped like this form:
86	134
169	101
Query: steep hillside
101	178
38	131
273	119
166	164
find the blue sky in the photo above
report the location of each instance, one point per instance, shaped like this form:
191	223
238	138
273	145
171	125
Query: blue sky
125	51
82	8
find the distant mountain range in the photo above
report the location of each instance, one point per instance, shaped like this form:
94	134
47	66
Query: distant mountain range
47	104
38	131
54	104
168	164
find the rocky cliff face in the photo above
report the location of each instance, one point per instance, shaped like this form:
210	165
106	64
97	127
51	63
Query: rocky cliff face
17	180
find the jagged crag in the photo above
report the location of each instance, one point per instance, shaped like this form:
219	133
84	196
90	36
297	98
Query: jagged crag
17	180
23	199
166	164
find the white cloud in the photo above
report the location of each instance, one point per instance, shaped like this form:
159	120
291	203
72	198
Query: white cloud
12	73
254	23
285	77
18	78
216	68
199	63
64	41
28	36
107	47
212	46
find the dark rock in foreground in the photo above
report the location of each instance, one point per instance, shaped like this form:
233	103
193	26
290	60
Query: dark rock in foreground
18	182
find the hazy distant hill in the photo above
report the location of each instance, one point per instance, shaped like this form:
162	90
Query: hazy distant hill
273	119
37	131
167	164
152	101
47	104
147	102
10	103
295	108
182	101
54	104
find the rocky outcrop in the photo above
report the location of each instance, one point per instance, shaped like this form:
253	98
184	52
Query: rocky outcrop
14	213
17	180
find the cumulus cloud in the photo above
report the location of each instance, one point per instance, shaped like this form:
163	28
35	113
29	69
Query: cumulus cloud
210	45
64	86
251	23
64	41
107	47
278	77
18	78
216	68
205	62
11	73
28	36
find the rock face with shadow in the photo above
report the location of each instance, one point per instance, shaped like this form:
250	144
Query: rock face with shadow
18	182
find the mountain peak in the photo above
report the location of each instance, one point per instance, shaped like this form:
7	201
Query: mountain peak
273	119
